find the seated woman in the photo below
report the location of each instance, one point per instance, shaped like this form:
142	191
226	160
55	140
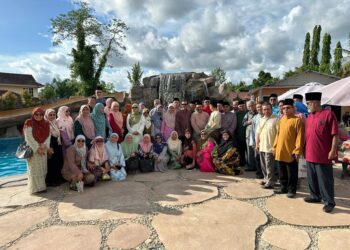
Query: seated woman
129	149
226	157
74	168
189	151
204	156
145	153
160	154
98	159
174	150
115	158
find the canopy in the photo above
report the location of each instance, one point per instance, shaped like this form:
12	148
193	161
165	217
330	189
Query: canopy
337	93
309	87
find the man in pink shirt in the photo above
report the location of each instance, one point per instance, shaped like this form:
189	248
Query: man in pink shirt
321	149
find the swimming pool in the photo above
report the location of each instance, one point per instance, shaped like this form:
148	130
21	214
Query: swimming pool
9	164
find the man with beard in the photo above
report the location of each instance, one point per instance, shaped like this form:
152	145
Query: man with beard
321	149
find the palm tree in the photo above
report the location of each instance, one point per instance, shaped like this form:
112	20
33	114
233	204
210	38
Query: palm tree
136	75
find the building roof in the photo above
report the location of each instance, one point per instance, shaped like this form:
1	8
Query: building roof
18	79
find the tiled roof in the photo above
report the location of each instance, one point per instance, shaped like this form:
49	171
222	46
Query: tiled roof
18	79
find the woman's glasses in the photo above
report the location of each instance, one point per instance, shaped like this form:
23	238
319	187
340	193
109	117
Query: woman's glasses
99	141
38	114
80	140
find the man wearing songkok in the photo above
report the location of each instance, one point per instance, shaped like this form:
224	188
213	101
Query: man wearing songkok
288	147
273	101
248	124
199	120
321	149
183	121
228	119
240	133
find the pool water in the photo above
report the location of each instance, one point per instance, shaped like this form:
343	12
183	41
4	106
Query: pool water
9	164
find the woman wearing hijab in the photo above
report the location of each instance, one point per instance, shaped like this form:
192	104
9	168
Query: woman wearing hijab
156	119
108	107
115	118
204	156
147	121
115	157
84	125
135	123
65	121
55	161
129	148
168	123
174	150
161	156
75	164
226	157
145	148
189	150
37	135
100	121
98	159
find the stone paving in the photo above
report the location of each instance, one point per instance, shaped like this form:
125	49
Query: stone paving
179	209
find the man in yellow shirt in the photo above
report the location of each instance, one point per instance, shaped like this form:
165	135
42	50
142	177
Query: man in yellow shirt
288	148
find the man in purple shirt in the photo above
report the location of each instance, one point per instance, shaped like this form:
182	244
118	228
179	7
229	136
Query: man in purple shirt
321	149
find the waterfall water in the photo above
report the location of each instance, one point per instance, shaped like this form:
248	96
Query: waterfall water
206	88
170	86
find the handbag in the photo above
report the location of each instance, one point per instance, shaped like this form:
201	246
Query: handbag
146	165
132	164
24	151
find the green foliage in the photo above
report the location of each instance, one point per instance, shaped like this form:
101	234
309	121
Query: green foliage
136	75
264	78
107	87
9	100
47	93
67	88
82	25
325	65
220	75
27	99
315	48
306	53
338	56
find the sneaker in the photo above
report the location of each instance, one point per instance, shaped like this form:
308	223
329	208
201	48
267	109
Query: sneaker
291	195
309	199
328	208
280	191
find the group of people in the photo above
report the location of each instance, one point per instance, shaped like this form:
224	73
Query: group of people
103	143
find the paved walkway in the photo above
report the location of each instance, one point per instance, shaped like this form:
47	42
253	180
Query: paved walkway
175	210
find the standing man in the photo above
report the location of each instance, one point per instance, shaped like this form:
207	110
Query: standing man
183	121
252	140
99	97
234	106
176	103
206	105
265	137
214	123
248	124
273	101
91	102
228	120
288	147
156	102
321	149
240	134
299	105
199	120
192	106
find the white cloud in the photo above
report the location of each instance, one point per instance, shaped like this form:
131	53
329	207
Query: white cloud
242	37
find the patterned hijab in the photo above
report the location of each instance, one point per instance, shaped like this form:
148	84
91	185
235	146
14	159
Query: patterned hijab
40	129
65	121
54	130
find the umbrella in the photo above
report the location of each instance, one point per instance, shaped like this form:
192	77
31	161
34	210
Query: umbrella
309	87
337	93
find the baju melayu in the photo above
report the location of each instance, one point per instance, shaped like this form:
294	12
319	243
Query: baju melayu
198	122
182	122
229	123
320	128
288	143
247	123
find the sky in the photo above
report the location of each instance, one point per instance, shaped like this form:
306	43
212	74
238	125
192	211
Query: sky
242	37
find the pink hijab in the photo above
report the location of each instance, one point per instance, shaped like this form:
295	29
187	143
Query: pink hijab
118	116
65	121
86	123
146	147
98	153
